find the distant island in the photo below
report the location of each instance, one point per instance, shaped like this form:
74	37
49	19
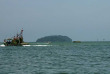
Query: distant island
55	38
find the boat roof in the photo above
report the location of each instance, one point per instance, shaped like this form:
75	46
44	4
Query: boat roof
9	39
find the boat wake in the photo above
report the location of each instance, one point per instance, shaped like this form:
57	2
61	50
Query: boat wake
36	45
2	45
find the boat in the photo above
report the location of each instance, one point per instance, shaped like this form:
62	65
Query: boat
16	40
76	41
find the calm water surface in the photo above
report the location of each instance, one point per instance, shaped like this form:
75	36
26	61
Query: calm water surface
75	58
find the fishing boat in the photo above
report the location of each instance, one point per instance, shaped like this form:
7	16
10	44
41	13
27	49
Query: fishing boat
16	40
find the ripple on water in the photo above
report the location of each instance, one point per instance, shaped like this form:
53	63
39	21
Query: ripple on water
83	58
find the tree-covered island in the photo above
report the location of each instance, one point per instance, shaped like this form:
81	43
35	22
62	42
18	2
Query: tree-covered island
54	38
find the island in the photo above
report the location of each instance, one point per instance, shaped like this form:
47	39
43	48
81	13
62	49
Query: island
54	38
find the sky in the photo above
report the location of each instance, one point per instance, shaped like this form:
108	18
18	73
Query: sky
83	20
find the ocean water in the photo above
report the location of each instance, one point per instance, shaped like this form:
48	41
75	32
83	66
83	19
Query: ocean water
59	58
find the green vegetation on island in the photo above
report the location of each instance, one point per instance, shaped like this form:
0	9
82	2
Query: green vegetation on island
55	38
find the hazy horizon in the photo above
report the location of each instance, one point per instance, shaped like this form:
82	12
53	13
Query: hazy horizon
83	20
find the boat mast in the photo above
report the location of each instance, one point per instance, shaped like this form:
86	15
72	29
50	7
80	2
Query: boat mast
21	36
21	33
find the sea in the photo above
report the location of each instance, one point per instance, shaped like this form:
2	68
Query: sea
88	57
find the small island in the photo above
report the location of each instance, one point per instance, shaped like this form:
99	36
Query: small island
54	38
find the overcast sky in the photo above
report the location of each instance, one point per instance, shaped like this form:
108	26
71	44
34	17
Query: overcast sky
84	20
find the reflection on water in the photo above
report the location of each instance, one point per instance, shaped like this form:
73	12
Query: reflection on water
81	58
